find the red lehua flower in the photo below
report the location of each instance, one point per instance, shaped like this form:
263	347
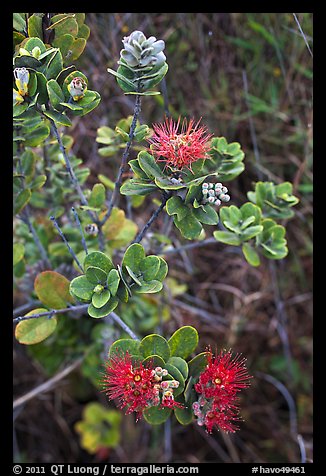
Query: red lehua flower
132	386
169	402
223	377
222	420
179	149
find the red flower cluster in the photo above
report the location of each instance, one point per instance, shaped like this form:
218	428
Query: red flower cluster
179	149
218	385
137	387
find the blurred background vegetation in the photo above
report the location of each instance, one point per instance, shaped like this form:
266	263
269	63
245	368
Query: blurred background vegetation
249	76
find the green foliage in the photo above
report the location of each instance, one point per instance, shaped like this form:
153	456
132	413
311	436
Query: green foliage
275	201
104	286
227	159
251	227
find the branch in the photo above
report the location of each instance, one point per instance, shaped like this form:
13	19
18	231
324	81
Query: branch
52	312
154	216
25	217
123	326
71	251
46	386
123	164
70	170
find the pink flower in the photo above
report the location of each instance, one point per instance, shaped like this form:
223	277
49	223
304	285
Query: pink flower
179	149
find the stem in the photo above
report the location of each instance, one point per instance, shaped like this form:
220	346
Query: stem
209	241
26	219
80	229
51	313
123	164
154	216
71	251
46	386
68	164
123	326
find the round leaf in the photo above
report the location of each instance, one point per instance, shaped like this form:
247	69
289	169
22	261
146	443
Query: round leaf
133	256
33	331
156	415
183	342
95	275
121	346
105	310
52	289
113	281
155	344
99	300
98	260
81	289
180	364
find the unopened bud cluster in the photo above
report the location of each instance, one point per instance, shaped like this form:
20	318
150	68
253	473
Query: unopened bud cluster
165	387
21	76
214	194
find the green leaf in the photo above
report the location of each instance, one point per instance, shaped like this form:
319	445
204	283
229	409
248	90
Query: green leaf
250	254
97	197
206	215
149	267
198	364
166	184
136	187
28	159
19	23
56	95
163	270
37	135
250	232
121	346
156	415
155	344
183	342
188	226
64	23
176	206
113	281
99	300
154	361
52	289
227	237
177	375
149	287
180	364
133	276
105	310
58	117
148	165
22	200
133	256
81	289
64	43
98	260
95	275
137	170
184	415
38	182
33	331
55	65
18	252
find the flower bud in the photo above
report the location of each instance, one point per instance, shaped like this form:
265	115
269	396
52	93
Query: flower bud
211	199
77	88
211	193
205	185
217	202
18	99
98	289
36	52
139	52
21	79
